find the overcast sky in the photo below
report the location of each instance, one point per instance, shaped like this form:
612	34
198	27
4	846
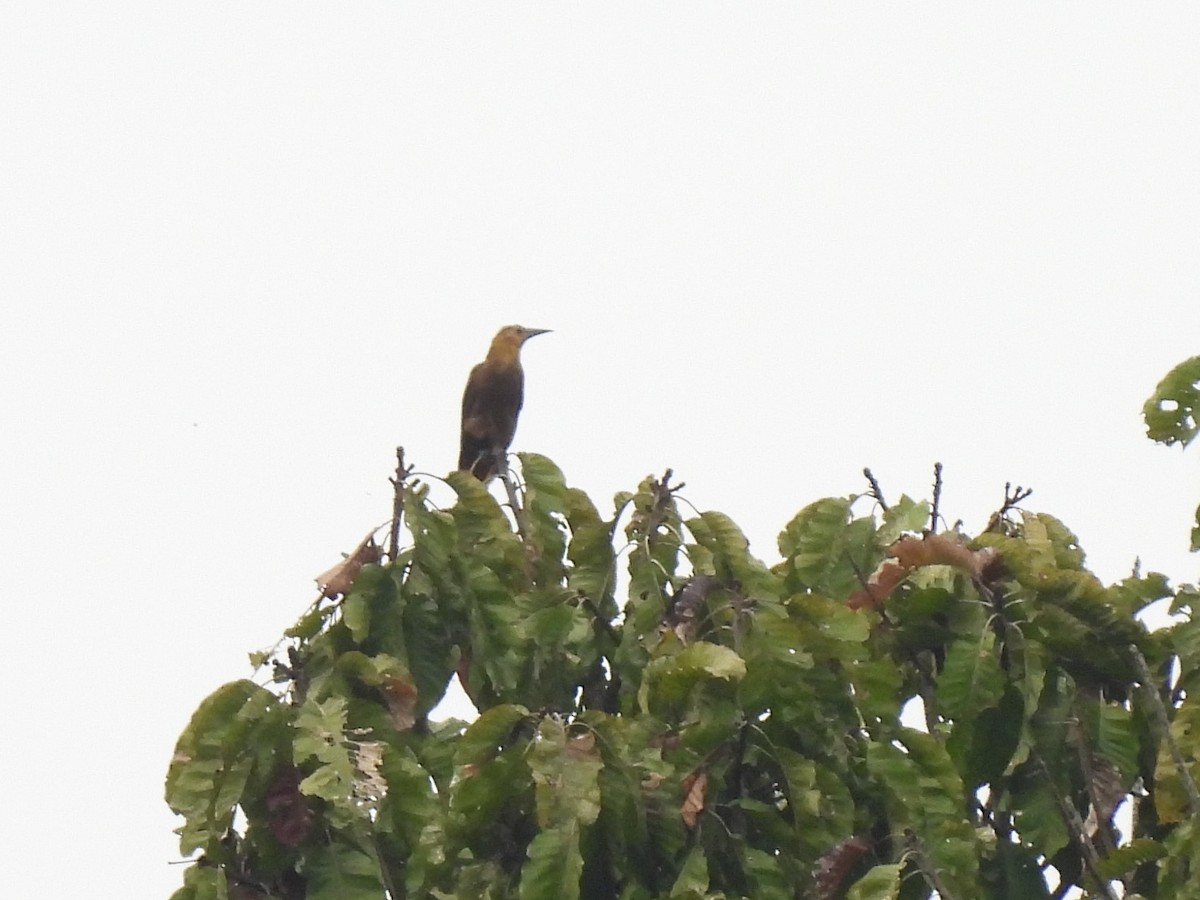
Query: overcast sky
246	249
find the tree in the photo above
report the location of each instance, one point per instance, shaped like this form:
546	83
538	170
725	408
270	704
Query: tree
728	728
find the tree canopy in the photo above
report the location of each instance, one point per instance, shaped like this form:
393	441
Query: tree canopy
890	709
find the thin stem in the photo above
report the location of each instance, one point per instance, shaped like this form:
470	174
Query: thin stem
1070	817
925	865
513	500
401	476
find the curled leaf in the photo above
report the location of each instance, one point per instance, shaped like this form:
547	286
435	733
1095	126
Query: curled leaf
912	552
337	580
401	696
694	787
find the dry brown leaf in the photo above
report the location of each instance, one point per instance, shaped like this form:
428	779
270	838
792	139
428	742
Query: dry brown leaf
401	696
939	549
882	582
337	580
912	552
833	867
694	787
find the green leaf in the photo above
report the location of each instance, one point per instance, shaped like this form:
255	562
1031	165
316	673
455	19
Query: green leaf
1113	736
356	613
1013	873
543	476
730	550
1125	859
982	745
924	793
1179	871
825	550
880	883
336	872
555	865
411	802
971	680
320	734
489	804
831	619
1170	412
693	877
310	623
215	757
428	650
565	775
1170	796
765	877
904	516
670	679
488	734
1037	814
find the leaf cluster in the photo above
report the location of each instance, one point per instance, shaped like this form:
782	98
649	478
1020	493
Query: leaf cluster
662	714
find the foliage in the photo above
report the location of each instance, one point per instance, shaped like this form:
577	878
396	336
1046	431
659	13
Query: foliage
969	724
1172	413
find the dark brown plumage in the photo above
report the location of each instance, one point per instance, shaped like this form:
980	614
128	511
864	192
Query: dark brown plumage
492	402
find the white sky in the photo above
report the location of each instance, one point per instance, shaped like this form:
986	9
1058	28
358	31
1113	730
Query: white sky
248	248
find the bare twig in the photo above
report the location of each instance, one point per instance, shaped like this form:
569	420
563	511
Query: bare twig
937	496
1159	712
1070	817
663	493
402	473
875	490
1011	498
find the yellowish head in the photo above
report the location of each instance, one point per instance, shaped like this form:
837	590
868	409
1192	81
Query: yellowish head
506	345
518	334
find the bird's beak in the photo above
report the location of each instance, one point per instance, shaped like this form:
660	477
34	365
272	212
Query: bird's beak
534	332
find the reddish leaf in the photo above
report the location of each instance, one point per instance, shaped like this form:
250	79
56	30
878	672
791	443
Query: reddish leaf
291	818
912	552
832	868
401	697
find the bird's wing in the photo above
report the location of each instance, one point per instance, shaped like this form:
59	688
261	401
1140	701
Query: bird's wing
491	402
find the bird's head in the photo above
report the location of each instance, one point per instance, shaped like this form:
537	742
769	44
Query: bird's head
506	345
519	334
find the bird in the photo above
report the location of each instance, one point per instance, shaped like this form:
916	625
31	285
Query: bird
492	401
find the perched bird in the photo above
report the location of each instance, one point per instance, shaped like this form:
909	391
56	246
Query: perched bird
492	401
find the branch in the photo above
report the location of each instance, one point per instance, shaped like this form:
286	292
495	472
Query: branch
662	493
402	473
1159	712
1011	499
513	500
875	490
914	846
937	496
1070	817
389	883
